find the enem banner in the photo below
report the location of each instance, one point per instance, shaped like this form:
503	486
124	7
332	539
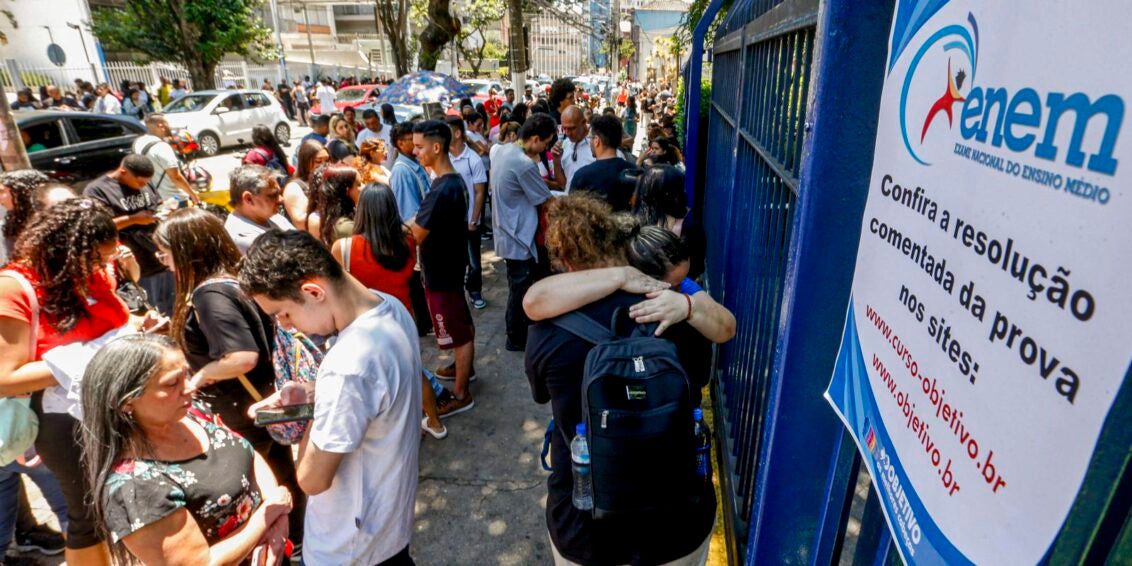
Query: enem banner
990	325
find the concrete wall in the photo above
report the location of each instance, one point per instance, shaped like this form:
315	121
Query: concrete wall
28	43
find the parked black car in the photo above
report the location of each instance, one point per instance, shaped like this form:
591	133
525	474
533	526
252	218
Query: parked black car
76	147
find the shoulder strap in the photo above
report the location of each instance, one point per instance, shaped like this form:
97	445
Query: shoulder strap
149	146
33	301
583	327
347	243
145	152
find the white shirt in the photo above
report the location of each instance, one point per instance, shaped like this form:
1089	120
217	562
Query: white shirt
108	104
367	133
162	156
244	232
367	407
478	138
325	96
470	167
569	164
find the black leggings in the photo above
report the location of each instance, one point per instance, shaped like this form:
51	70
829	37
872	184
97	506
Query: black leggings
400	559
59	445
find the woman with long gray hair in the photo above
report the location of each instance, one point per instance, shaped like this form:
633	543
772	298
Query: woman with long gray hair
169	483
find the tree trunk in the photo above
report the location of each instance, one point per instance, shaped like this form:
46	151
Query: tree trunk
13	154
393	21
517	48
202	74
441	28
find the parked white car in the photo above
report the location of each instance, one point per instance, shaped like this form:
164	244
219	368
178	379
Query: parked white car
221	118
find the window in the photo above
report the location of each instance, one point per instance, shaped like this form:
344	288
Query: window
41	136
232	102
256	100
94	129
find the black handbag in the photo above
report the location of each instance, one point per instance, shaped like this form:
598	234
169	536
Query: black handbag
136	299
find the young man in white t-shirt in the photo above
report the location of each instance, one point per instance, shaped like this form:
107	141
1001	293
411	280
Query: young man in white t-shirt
358	460
325	95
167	178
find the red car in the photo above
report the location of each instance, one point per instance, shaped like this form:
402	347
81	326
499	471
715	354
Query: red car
351	96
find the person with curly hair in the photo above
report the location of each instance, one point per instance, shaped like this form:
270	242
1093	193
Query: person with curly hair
16	189
372	155
333	199
224	335
62	259
296	193
584	234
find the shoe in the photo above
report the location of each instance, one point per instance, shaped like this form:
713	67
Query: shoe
447	404
448	373
477	301
439	435
41	540
513	348
486	237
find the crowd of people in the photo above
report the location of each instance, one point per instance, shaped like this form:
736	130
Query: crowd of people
147	339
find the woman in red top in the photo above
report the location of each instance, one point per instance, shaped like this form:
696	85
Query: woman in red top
63	256
382	254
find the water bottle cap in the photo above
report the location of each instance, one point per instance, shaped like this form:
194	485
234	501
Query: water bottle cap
580	429
698	414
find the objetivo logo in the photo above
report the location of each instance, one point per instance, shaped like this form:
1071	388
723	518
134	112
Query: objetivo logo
952	55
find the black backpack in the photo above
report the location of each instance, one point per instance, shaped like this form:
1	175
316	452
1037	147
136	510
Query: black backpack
637	405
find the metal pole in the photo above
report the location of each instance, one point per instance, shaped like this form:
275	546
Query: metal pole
310	42
13	154
279	41
86	53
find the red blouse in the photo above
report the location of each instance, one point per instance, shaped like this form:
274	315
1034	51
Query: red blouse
106	310
375	276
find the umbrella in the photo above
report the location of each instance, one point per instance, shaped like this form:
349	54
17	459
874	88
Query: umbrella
423	87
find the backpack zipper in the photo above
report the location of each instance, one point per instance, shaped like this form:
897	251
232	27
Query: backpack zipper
604	418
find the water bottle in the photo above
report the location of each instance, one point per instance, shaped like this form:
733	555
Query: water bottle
583	481
703	444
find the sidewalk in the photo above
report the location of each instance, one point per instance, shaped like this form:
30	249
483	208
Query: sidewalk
482	494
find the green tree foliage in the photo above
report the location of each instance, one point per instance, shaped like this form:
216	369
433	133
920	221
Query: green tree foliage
473	44
692	19
439	29
196	33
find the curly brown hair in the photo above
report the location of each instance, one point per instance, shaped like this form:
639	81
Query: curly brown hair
584	233
22	184
61	248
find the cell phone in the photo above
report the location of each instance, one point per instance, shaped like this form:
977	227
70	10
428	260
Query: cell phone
158	325
285	414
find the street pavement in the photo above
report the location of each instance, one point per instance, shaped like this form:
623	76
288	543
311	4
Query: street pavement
221	164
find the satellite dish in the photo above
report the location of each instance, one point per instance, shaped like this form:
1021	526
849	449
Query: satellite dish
56	55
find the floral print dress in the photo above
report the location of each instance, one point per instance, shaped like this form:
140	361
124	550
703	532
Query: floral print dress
218	487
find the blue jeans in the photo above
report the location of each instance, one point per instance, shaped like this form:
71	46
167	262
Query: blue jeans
9	497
